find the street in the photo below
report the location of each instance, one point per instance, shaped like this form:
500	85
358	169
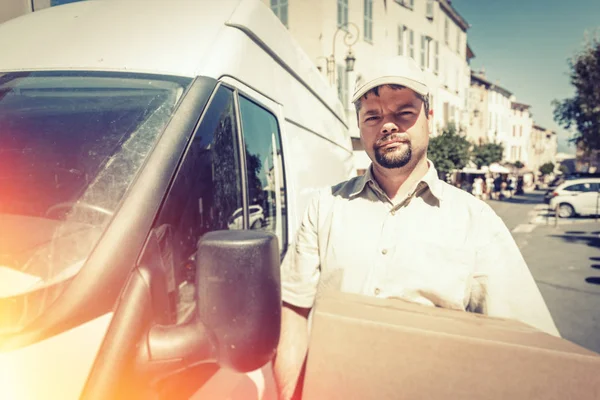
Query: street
565	262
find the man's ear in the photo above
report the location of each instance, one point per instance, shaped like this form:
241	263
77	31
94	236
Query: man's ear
430	121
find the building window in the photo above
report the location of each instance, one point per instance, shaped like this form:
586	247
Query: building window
447	31
446	113
458	37
342	85
429	9
514	131
357	144
436	57
411	43
424	45
401	33
428	55
521	131
280	8
368	17
406	3
342	13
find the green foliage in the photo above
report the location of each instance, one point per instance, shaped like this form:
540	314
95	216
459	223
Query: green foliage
449	151
564	169
487	153
582	111
518	164
547	168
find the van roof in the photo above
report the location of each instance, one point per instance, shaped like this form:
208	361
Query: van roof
172	37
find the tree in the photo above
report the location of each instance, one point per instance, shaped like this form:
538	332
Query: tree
518	164
582	111
547	168
564	169
487	154
449	151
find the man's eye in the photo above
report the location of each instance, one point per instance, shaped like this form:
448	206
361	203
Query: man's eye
371	118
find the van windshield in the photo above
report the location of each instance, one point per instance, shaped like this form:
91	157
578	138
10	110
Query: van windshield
70	146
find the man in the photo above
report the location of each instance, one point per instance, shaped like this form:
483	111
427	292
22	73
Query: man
399	231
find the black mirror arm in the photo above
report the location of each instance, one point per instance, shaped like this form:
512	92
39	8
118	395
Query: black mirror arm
172	348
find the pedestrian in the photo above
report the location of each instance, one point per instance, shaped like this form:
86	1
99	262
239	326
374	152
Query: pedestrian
398	230
512	185
489	186
478	187
498	187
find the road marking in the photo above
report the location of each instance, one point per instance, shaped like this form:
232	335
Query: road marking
524	228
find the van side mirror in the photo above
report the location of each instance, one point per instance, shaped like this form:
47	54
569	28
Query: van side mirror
239	296
238	308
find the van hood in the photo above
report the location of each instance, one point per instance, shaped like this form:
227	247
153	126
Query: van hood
56	368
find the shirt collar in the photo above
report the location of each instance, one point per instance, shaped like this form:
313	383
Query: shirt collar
431	179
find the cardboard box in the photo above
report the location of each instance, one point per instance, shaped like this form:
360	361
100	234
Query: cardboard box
368	348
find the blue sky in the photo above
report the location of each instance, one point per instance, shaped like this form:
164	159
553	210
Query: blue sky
525	44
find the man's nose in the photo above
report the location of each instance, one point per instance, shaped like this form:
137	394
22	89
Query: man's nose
389	127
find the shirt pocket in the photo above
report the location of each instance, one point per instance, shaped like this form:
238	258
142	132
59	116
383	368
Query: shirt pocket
432	273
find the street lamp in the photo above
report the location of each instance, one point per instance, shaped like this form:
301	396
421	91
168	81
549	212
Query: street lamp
350	38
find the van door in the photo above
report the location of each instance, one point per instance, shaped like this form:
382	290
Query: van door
266	202
233	162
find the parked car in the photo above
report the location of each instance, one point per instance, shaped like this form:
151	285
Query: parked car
257	218
560	179
130	132
576	197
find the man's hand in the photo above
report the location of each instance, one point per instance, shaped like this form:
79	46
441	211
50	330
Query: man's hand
291	352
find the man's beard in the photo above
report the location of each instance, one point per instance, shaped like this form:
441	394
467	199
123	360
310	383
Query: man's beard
393	158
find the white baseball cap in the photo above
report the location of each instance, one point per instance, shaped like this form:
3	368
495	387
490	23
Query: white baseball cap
396	70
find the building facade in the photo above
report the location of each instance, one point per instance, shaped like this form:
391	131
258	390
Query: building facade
478	128
543	146
521	125
491	115
430	31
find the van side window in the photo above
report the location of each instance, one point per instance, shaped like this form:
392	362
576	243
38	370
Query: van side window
264	165
206	195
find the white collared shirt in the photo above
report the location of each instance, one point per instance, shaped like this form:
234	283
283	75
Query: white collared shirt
440	247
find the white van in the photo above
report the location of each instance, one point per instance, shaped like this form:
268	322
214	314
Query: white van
130	133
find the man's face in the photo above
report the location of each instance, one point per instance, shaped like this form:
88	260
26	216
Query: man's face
393	126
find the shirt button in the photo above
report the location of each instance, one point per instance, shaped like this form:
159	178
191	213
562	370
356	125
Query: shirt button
377	291
384	251
393	212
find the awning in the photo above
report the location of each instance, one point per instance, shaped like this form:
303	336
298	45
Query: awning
469	170
499	169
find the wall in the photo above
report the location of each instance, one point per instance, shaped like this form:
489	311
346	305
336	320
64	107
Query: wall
477	131
543	146
519	135
499	109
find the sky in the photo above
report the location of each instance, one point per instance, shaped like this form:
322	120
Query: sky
525	45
